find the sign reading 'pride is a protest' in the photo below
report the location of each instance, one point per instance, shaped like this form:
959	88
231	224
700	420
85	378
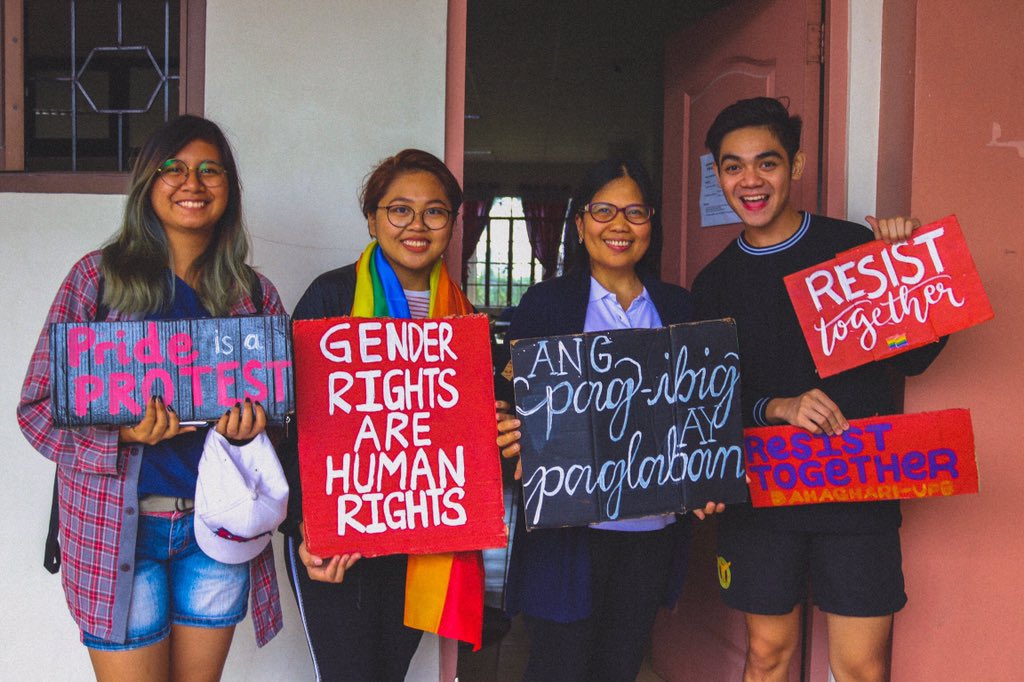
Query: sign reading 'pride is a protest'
106	372
629	423
878	300
397	432
903	456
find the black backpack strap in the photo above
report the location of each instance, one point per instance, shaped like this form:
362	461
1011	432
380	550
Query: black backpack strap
51	552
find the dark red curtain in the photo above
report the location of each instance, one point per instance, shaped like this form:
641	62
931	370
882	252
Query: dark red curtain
475	207
544	207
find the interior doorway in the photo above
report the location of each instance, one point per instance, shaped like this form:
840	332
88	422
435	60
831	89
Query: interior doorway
552	87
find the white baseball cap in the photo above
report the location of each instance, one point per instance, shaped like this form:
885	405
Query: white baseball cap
241	497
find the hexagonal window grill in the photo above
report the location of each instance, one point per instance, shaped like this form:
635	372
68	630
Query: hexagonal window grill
133	63
92	112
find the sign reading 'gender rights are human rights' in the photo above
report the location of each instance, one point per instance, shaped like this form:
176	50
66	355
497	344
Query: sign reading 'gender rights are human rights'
397	435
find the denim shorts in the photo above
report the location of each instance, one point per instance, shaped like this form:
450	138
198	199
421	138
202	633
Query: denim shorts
176	583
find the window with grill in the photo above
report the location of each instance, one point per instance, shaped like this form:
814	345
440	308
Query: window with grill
87	81
502	266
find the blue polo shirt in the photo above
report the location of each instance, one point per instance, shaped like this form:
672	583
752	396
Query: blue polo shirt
171	467
604	313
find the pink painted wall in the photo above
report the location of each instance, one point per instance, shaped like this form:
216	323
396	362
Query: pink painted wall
454	146
963	556
455	119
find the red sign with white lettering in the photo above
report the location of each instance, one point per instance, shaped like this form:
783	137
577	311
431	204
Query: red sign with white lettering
906	456
397	448
878	300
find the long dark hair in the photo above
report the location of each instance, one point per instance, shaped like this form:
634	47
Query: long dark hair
136	260
596	177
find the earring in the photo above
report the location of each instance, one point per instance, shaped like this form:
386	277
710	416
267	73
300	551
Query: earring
579	237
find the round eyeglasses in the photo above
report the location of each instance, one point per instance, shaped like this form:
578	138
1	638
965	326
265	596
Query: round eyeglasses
175	173
602	212
433	217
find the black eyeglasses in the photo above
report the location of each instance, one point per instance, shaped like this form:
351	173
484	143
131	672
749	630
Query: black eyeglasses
602	212
175	173
433	217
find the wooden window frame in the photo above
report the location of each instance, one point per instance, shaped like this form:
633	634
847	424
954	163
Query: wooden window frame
12	144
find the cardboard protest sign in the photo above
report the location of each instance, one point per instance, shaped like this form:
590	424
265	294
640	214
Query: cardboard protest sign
106	372
629	423
903	456
397	448
878	300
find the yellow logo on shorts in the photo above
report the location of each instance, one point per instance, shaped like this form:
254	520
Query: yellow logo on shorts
724	573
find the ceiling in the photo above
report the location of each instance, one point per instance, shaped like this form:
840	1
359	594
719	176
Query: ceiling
557	83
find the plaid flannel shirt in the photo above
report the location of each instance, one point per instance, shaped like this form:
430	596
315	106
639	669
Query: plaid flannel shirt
98	481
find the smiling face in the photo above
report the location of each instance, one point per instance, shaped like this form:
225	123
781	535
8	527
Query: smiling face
755	174
192	210
617	246
412	250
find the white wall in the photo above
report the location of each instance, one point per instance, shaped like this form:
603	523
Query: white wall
865	77
311	93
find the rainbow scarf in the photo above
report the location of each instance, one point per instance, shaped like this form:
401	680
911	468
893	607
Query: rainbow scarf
444	593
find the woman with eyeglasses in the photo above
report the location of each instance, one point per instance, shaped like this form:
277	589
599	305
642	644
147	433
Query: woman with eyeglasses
149	603
352	608
589	595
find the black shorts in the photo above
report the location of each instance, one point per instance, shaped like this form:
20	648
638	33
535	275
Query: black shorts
767	572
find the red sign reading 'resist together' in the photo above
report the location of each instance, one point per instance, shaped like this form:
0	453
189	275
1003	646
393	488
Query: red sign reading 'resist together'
396	436
906	456
878	300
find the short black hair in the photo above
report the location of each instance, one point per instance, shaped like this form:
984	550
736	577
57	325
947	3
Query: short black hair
756	112
596	177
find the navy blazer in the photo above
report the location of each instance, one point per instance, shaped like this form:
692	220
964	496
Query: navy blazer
549	572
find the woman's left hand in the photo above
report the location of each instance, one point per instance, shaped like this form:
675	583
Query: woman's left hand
243	422
508	434
325	570
709	509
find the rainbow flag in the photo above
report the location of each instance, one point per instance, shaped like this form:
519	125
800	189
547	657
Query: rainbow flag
897	341
444	593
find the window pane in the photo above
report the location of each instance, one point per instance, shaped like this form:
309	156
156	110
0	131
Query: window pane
503	261
93	112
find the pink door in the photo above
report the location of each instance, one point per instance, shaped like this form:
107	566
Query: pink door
747	49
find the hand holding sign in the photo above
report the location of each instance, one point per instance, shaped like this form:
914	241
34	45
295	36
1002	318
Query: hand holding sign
329	571
159	423
892	230
813	411
509	434
242	422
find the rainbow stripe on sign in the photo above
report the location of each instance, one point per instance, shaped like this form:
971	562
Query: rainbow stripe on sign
895	342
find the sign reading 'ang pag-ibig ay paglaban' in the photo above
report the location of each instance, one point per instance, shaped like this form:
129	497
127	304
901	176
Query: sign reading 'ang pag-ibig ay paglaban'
629	423
106	372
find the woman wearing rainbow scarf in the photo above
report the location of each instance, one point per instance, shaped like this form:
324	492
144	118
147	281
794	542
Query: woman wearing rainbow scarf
359	623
